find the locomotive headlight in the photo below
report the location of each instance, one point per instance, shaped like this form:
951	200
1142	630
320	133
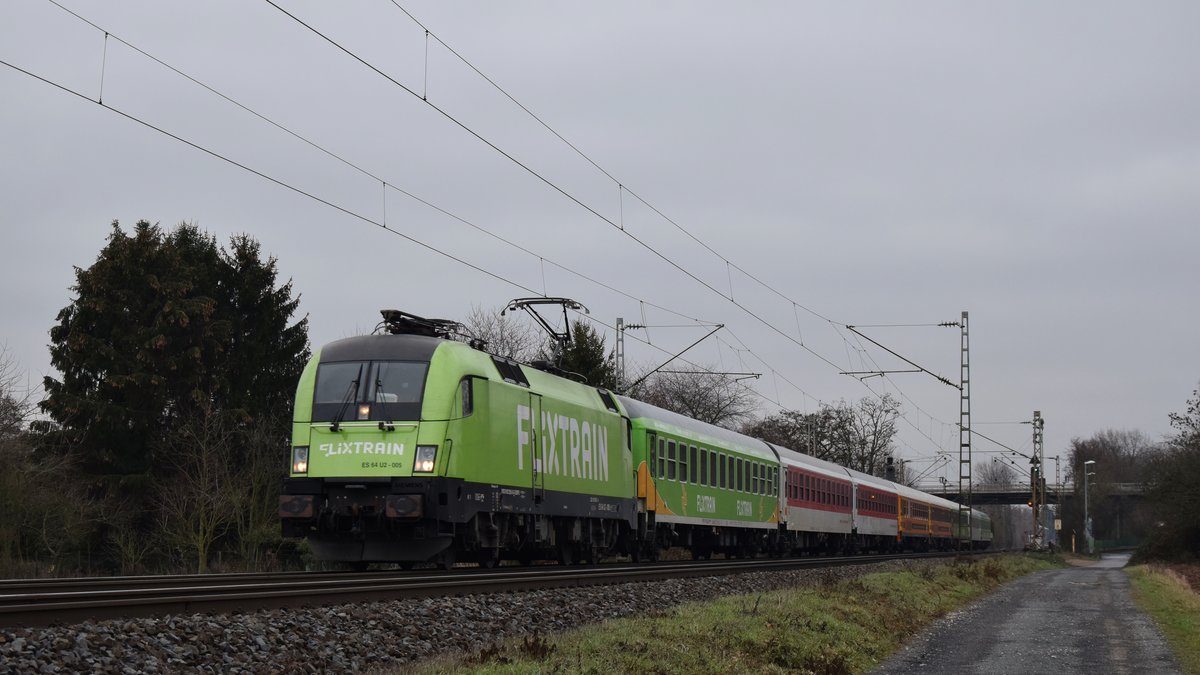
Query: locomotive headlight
300	459
423	461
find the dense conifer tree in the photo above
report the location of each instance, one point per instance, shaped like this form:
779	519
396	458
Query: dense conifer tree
165	326
586	356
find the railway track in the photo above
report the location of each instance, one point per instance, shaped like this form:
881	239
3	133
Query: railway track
38	602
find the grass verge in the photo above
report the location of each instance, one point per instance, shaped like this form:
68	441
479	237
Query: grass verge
1174	606
843	627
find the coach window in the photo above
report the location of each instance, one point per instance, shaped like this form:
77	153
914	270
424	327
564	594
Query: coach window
670	460
737	474
703	466
651	454
662	458
692	465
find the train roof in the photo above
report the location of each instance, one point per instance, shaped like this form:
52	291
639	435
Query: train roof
809	462
381	347
674	422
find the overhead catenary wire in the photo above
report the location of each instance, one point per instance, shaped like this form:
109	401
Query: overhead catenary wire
260	174
618	226
383	224
554	186
310	195
372	175
622	188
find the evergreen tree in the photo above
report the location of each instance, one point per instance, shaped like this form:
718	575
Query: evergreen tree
586	356
164	327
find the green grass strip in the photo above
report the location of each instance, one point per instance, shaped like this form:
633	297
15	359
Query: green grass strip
845	627
1174	607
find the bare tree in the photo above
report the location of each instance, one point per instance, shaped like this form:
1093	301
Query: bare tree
857	436
1007	523
873	426
995	472
16	404
255	496
47	514
505	336
197	502
706	396
122	514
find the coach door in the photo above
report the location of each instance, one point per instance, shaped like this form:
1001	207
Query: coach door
645	474
535	448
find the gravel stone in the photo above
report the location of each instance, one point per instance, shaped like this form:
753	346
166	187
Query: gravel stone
370	636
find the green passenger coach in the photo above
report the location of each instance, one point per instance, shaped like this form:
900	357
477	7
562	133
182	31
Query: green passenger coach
701	486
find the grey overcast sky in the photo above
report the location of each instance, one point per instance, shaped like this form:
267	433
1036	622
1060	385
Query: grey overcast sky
1037	164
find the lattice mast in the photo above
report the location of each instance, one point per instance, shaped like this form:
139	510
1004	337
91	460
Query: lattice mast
964	440
1037	482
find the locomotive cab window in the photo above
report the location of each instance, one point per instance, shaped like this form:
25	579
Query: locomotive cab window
466	394
369	390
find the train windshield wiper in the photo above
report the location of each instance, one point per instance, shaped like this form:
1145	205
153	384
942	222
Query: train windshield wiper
351	393
379	398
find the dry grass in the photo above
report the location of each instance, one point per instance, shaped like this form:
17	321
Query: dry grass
1167	595
832	629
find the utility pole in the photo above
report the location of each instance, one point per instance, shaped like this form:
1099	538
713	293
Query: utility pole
964	440
1037	483
620	349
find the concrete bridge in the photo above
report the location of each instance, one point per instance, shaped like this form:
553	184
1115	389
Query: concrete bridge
1018	493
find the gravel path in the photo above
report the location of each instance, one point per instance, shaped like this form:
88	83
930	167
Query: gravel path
1078	620
355	637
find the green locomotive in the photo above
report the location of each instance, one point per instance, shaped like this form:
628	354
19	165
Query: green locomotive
410	447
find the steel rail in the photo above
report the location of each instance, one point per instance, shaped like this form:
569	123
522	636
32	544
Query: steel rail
43	602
